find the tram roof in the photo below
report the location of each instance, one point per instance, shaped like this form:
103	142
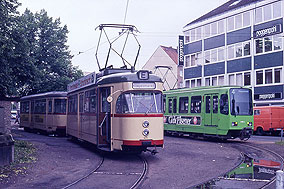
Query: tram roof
47	94
203	88
125	77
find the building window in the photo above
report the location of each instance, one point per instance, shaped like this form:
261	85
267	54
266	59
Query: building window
232	79
193	59
207	30
221	26
187	84
214	55
259	77
192	83
246	19
221	80
268	43
214	81
238	21
207	81
277	75
198	82
277	42
239	79
268	12
239	50
271	43
268	76
187	61
246	78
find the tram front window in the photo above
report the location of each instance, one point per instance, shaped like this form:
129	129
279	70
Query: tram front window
241	101
139	102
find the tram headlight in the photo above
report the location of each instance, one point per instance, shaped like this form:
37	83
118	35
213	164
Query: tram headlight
146	132
249	123
234	123
145	124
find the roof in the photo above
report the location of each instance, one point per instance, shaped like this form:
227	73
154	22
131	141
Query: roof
230	5
47	94
173	54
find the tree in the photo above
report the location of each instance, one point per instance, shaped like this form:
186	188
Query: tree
34	57
8	15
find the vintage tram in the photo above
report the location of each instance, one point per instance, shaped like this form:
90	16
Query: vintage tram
117	110
45	112
225	112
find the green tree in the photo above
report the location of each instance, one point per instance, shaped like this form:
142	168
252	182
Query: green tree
8	14
34	57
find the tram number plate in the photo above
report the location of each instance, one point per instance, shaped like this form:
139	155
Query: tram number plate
146	143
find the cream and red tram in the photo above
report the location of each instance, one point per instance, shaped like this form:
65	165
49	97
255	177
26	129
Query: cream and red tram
117	110
44	112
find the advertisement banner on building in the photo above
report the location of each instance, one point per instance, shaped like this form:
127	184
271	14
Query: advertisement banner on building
180	50
268	31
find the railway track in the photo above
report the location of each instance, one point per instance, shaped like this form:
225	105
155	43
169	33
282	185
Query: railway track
263	184
100	171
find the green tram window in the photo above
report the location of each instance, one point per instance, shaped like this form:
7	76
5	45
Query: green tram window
224	107
183	105
195	106
207	104
175	105
215	104
170	107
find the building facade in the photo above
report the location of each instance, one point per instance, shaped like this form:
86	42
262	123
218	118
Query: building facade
164	63
238	43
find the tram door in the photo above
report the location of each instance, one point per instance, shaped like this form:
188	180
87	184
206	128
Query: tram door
81	114
211	113
104	127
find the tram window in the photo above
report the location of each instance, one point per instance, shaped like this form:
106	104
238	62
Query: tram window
59	106
49	106
175	105
170	105
81	103
40	106
224	107
183	105
93	101
208	104
195	106
25	107
72	104
139	102
215	104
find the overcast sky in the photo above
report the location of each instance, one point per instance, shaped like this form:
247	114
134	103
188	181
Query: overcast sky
159	21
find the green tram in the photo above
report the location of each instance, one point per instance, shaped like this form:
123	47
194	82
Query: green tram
225	112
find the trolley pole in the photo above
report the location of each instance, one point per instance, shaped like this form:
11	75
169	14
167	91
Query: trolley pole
279	179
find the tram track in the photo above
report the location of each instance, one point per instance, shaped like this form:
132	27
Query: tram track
268	183
99	171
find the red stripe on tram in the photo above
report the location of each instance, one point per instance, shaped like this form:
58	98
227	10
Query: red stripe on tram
139	142
137	115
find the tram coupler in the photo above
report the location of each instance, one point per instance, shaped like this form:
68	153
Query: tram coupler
153	152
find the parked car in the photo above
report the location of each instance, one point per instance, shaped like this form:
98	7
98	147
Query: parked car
13	114
268	119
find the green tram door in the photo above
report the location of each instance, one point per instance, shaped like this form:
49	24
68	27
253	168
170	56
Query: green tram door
211	114
104	115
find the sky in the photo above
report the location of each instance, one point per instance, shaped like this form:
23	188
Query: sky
159	23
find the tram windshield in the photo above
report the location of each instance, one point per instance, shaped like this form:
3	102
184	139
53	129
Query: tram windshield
241	101
139	102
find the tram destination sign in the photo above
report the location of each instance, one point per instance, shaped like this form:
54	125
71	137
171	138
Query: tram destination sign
182	120
268	31
82	82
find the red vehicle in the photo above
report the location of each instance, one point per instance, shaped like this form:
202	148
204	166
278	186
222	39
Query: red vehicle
268	119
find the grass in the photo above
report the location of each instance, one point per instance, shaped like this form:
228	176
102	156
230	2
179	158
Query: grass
23	156
280	143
